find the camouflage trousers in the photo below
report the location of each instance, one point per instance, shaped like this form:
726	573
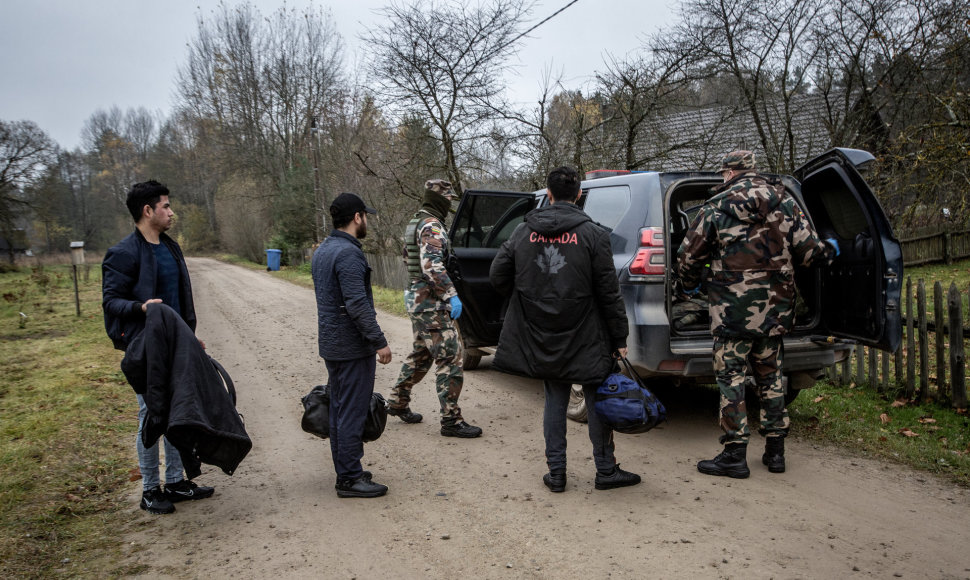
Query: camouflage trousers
436	340
731	359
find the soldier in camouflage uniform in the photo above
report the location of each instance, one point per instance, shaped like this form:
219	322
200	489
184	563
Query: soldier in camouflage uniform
432	303
753	235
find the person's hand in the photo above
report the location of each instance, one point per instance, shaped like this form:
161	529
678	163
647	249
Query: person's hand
384	355
622	352
201	343
455	306
144	306
692	291
832	242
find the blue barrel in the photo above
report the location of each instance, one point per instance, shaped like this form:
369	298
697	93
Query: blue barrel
273	259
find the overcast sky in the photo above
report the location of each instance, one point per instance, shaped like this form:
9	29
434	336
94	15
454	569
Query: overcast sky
61	60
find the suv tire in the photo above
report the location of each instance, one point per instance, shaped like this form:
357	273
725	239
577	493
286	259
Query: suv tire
469	361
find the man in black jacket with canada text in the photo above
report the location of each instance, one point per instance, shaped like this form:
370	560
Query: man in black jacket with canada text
565	320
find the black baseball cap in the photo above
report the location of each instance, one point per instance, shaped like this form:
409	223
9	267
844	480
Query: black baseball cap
347	204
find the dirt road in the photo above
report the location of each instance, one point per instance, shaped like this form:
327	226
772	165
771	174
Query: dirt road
478	509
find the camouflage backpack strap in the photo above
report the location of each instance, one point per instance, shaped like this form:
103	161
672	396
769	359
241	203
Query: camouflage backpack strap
411	246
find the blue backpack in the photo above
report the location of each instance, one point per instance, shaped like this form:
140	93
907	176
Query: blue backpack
626	405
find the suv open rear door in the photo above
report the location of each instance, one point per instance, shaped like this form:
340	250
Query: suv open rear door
484	220
860	291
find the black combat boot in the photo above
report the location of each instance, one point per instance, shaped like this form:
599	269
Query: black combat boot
461	429
406	414
731	462
774	456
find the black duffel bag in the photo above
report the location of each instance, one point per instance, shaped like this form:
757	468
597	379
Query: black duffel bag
316	414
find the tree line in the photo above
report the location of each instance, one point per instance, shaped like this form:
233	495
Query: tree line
271	121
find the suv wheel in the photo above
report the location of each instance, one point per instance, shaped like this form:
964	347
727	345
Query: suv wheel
470	360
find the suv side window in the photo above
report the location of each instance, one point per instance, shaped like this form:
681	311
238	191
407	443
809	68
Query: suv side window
489	221
606	205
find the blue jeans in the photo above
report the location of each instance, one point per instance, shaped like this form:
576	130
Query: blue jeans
351	388
554	428
148	457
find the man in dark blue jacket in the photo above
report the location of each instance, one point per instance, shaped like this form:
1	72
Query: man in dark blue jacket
145	268
565	321
349	337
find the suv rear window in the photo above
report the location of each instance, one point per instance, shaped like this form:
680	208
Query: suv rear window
606	205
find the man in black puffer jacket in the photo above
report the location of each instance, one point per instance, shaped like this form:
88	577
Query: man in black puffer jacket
565	319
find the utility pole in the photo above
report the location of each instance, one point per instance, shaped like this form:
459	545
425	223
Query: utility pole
319	217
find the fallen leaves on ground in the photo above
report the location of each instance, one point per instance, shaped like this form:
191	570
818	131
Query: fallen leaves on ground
819	399
884	418
925	420
899	403
908	432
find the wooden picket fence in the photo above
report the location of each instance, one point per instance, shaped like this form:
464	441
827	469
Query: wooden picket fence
912	369
388	271
929	245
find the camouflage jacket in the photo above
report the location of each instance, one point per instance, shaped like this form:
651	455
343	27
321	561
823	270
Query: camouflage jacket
753	234
434	288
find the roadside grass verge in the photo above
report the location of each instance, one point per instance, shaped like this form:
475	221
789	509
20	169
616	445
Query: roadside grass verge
926	436
67	428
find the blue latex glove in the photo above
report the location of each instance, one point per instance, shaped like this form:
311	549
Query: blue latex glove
455	306
834	244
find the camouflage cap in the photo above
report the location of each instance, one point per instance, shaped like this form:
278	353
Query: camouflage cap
738	161
439	186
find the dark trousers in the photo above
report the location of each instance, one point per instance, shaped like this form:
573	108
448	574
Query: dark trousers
554	428
351	389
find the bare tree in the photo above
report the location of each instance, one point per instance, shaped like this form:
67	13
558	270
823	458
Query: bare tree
767	48
445	62
26	151
640	90
119	143
259	84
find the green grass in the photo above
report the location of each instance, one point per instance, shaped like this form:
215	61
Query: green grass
957	273
867	422
66	437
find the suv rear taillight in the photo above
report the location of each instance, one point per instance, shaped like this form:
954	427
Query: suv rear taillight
649	260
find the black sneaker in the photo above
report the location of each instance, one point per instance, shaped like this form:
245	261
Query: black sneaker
461	429
154	501
555	481
406	414
360	487
186	489
616	478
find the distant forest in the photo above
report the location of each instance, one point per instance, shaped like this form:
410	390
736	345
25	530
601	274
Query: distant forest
271	122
